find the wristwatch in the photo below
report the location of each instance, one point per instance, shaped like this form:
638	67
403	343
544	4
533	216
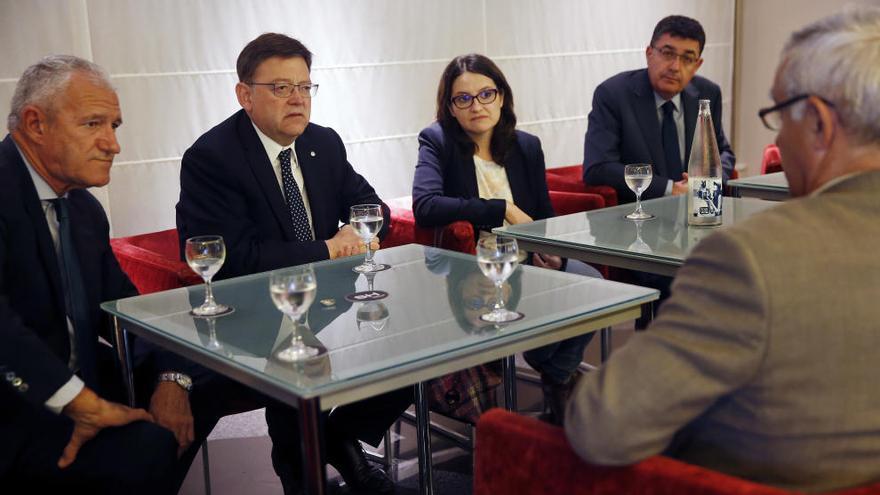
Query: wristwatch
184	381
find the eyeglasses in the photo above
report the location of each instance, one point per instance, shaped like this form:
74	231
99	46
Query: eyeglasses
771	116
285	89
669	55
485	97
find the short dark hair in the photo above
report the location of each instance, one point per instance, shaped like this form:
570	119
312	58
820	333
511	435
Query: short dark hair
503	136
680	26
266	46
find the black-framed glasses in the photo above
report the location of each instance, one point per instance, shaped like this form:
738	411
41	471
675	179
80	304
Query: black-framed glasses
771	116
465	100
669	55
283	89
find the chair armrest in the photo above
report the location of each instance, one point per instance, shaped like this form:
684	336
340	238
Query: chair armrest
574	202
457	236
151	272
570	179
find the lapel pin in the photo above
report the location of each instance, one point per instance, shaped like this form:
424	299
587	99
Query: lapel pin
312	154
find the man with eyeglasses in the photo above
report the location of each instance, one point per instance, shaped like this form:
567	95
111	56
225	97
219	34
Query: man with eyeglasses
277	187
729	375
649	115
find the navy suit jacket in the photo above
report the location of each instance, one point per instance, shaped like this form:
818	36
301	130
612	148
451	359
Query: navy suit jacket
34	339
445	183
228	187
623	128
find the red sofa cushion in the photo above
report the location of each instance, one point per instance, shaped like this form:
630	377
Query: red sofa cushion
570	179
152	261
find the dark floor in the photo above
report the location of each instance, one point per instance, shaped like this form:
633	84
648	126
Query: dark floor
239	449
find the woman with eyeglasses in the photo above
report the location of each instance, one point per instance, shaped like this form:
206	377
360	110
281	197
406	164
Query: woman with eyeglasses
475	166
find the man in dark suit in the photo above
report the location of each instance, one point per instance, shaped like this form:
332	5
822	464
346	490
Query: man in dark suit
276	187
59	426
649	115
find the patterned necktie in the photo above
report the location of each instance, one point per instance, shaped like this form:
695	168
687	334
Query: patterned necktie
76	304
671	149
295	204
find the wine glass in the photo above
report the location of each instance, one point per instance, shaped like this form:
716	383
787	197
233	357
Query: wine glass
205	255
366	220
497	258
293	290
638	178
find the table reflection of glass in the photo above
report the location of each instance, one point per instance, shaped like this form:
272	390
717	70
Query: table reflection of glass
424	339
604	236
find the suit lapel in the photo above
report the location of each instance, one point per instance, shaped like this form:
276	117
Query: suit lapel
516	177
690	106
261	167
646	112
314	176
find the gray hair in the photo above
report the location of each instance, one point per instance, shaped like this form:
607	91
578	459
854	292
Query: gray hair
42	82
838	59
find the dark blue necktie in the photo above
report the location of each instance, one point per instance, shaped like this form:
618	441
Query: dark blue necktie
75	300
295	204
671	149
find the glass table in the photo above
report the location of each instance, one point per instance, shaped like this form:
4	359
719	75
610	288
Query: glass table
426	327
772	187
659	245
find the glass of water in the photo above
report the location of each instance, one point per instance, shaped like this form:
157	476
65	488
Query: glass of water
638	178
497	258
366	220
205	255
292	291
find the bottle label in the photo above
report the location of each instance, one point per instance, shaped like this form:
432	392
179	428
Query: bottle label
705	197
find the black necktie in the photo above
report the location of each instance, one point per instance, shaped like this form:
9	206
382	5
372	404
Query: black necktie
295	204
671	150
76	304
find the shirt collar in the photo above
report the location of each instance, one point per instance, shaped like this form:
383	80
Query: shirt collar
831	183
272	148
659	101
44	190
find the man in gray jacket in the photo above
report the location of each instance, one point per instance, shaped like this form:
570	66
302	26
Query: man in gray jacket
762	363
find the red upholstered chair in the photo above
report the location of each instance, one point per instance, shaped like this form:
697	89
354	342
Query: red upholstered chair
565	202
152	261
570	179
517	455
772	161
457	236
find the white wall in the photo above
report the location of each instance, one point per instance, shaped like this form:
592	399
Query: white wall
378	63
765	26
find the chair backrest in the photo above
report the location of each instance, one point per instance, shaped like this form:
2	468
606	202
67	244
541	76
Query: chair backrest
570	179
772	160
517	455
152	261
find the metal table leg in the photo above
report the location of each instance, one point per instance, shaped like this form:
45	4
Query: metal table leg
423	436
121	337
311	432
508	366
605	343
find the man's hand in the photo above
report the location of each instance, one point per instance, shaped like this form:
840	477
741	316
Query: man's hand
548	261
91	414
514	215
347	243
680	187
170	406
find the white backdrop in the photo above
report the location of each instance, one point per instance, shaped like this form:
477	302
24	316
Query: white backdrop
378	63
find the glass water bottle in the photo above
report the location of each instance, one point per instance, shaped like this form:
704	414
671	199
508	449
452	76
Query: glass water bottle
704	173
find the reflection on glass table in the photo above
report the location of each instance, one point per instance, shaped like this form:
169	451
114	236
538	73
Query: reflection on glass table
372	315
293	290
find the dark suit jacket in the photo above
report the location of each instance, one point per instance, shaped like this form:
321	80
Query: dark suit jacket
623	128
34	339
228	187
445	183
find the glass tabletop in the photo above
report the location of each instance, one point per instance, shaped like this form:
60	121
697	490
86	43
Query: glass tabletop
664	239
435	298
772	182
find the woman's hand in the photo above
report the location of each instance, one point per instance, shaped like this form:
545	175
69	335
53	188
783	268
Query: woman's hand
514	215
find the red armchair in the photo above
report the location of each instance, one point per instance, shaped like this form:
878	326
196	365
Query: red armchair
457	236
570	179
521	455
772	161
152	261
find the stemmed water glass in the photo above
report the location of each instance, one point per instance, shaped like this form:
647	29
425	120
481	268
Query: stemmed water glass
638	178
205	255
497	258
366	220
293	290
